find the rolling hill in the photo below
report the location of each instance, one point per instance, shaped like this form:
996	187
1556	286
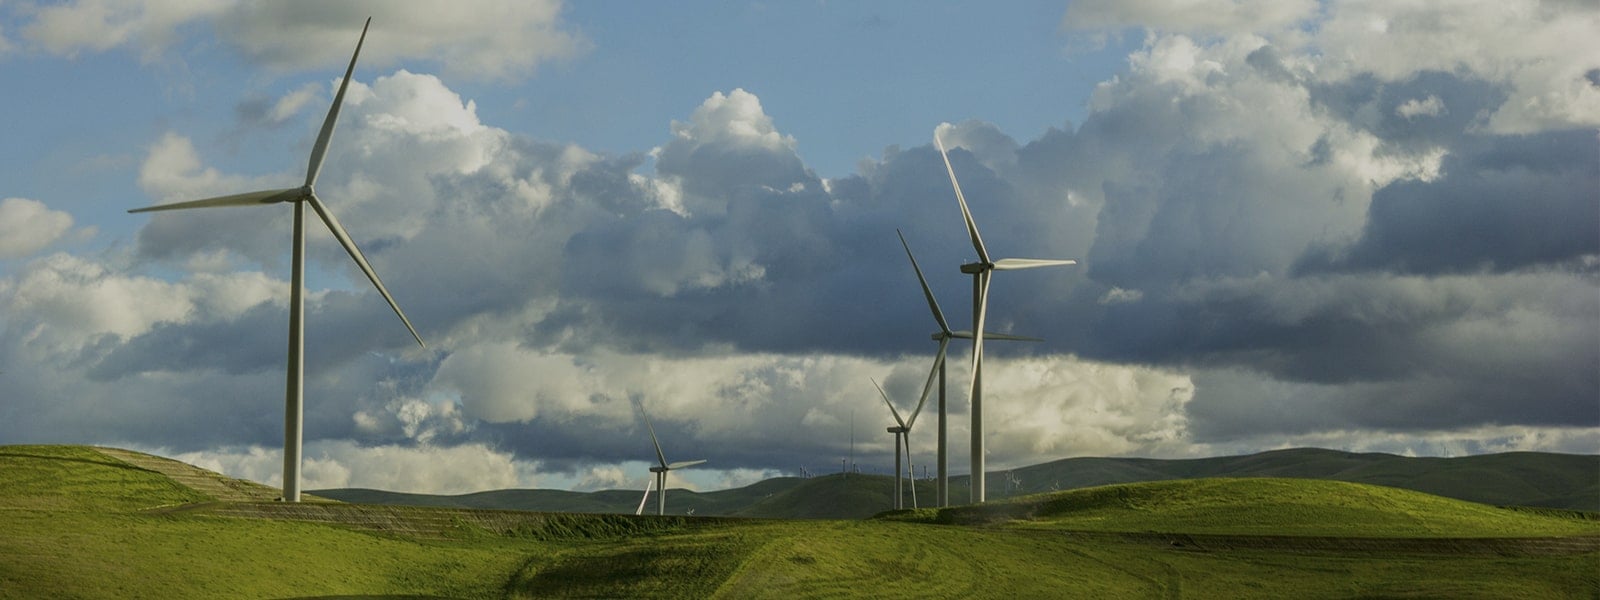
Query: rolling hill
1534	479
100	523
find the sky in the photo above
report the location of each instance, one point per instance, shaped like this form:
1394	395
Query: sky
1367	226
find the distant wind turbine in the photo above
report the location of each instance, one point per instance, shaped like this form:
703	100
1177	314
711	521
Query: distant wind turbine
943	336
662	469
980	272
294	395
902	438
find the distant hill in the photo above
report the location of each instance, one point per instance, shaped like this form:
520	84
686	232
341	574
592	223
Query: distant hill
1533	479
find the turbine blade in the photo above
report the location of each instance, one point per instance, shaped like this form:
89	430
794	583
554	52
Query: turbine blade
927	292
688	463
361	260
899	421
927	388
972	226
990	335
966	334
320	150
245	199
977	339
910	467
646	416
648	483
1012	264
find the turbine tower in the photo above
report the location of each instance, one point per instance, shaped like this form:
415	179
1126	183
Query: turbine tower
980	272
663	467
902	435
294	396
943	336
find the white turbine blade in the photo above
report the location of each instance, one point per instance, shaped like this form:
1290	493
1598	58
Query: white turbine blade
662	458
901	422
977	340
361	260
990	335
927	388
245	199
972	226
911	467
927	292
648	483
688	463
320	150
1012	264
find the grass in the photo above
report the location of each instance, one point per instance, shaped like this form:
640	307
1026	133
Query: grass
1262	506
77	524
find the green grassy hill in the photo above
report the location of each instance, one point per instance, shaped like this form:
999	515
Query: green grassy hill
1262	506
79	522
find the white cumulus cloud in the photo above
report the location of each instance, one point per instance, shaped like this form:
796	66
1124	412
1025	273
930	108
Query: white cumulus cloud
26	226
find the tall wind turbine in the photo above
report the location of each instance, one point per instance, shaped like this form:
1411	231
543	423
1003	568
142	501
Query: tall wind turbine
294	395
943	336
901	439
980	272
662	469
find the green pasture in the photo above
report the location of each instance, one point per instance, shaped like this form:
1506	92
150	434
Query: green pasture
77	524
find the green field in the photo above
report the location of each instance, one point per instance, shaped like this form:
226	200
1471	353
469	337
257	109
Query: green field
77	523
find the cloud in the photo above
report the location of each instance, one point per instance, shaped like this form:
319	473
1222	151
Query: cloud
273	113
100	25
1428	107
27	226
1538	51
1215	17
341	464
479	39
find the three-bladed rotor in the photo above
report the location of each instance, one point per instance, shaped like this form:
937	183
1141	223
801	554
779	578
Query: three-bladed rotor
981	272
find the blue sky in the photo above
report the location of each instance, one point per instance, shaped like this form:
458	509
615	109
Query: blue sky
1338	224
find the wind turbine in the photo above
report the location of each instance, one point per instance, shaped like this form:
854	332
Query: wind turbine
663	468
294	396
943	336
980	272
902	438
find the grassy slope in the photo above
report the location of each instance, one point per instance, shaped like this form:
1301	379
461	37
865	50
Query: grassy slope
1261	506
1521	478
74	527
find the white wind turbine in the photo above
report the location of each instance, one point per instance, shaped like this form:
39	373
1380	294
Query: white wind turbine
902	438
943	336
294	395
980	272
662	468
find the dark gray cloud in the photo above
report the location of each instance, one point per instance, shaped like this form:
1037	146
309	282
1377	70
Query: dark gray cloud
1502	203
